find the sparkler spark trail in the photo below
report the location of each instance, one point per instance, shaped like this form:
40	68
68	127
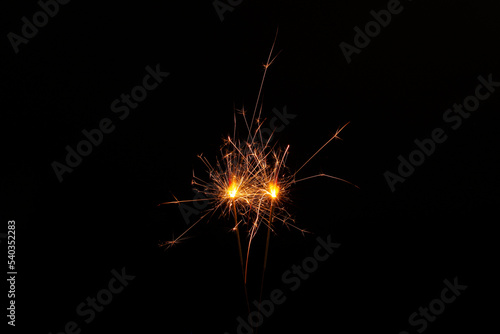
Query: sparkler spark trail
250	181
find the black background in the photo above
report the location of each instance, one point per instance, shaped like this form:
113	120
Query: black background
396	247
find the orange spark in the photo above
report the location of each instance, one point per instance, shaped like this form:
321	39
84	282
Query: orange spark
232	190
273	190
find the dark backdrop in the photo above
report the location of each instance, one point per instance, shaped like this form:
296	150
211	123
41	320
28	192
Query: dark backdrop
396	247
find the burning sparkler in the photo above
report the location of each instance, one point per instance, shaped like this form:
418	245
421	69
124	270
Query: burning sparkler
250	181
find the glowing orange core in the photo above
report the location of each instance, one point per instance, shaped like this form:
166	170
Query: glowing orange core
273	190
233	189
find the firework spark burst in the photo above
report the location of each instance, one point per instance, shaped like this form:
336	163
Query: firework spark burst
250	182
